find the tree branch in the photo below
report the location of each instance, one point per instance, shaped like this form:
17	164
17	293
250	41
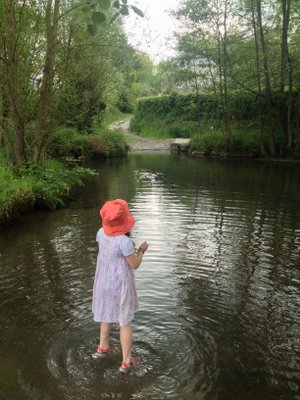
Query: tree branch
68	11
105	45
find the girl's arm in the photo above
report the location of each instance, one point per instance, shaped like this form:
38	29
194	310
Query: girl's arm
134	260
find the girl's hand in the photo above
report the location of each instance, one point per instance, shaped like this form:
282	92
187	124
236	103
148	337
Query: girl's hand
134	260
143	247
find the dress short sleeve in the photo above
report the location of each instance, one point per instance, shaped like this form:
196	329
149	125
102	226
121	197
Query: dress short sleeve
126	246
98	235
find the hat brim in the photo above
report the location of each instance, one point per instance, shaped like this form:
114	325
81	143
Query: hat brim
119	230
111	223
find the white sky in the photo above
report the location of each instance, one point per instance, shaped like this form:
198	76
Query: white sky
152	33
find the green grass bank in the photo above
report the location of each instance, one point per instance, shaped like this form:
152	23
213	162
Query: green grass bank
47	185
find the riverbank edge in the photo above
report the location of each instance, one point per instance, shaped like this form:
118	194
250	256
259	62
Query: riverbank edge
29	205
241	156
28	202
149	144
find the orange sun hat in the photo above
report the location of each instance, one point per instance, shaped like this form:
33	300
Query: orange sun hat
116	217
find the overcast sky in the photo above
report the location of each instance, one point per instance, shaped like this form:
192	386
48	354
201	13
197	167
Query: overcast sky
152	33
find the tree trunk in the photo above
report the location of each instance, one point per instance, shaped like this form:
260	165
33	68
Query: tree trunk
1	98
197	91
227	125
220	64
220	61
267	78
285	74
286	6
4	106
258	77
212	77
68	51
3	136
195	77
42	119
13	83
290	103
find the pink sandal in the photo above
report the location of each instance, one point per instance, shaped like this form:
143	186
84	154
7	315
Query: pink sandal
124	368
102	352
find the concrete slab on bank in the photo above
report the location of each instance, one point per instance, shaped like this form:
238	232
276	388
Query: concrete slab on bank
179	144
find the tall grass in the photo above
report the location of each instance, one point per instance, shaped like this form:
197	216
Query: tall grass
163	128
208	141
46	184
106	144
111	115
243	143
52	180
67	142
15	192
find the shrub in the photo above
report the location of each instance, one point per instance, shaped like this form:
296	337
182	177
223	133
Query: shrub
208	142
243	143
107	144
46	184
246	143
67	142
15	192
51	180
163	128
182	129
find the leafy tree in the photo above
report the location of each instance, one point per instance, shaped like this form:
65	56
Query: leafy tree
250	45
171	76
210	19
42	44
87	76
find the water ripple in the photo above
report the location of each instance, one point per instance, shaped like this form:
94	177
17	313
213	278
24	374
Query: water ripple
218	288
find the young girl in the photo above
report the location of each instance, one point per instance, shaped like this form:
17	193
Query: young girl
114	292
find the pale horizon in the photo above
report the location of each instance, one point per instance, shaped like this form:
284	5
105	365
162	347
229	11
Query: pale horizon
152	34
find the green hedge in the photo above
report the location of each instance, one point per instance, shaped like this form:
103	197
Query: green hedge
178	115
242	105
205	107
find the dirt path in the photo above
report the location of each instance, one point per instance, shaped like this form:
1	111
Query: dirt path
138	143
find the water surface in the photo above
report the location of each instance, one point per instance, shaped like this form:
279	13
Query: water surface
218	289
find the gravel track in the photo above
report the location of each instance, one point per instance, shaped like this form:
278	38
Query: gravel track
138	143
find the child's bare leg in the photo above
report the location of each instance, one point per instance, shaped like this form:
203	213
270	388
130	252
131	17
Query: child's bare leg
104	334
126	342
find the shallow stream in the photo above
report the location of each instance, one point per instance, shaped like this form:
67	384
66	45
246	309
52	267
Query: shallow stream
219	288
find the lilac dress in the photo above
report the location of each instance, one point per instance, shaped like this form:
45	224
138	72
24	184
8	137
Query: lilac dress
114	292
